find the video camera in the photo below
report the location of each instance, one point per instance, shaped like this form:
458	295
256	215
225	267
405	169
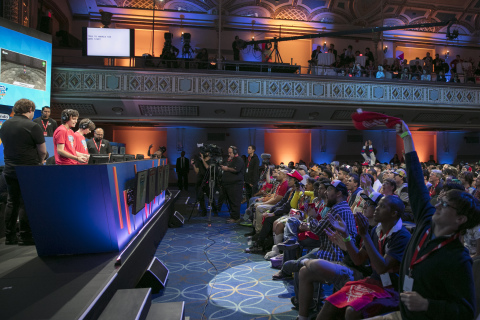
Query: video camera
215	152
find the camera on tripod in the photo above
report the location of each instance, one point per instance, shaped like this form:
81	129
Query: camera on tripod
215	152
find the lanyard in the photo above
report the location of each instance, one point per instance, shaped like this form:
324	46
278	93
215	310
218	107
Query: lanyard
99	145
417	249
249	159
45	126
382	243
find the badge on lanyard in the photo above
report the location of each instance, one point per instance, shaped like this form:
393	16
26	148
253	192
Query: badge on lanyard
408	283
386	282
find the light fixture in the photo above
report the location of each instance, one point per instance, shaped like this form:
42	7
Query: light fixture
325	46
118	111
385	49
447	54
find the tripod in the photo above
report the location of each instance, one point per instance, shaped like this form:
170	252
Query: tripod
278	58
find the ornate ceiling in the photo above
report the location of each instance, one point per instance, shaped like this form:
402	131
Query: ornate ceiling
339	12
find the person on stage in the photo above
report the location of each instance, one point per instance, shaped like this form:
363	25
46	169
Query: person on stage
182	168
23	145
64	140
47	124
98	145
232	181
159	154
85	127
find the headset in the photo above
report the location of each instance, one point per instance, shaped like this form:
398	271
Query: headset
85	125
234	150
66	114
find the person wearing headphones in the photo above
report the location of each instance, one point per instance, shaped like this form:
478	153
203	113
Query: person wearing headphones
232	181
64	140
85	127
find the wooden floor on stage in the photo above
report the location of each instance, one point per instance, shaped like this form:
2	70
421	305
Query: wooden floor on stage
34	287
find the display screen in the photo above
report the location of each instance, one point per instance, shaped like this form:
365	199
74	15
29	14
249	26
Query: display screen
159	180
152	181
165	176
140	190
106	42
25	65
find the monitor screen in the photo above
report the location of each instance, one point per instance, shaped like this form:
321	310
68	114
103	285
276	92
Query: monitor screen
129	157
140	157
159	188
98	158
141	178
152	181
108	42
165	176
25	65
117	158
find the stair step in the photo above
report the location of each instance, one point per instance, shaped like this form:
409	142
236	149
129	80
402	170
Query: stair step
167	311
128	304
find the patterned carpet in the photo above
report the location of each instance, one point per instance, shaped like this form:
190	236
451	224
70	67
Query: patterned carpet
237	286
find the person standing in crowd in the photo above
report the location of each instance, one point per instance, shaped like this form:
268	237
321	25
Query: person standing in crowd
201	166
23	144
182	167
64	140
436	279
252	173
232	181
46	123
236	50
98	145
85	127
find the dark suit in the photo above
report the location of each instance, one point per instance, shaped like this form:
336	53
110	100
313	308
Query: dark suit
182	167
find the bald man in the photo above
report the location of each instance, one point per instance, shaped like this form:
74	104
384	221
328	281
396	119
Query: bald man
98	145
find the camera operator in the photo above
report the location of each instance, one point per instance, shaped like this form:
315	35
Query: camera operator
232	180
201	166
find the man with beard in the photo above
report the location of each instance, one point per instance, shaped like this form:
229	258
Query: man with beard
47	124
98	145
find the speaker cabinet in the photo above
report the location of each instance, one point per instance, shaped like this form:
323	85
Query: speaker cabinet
176	220
155	276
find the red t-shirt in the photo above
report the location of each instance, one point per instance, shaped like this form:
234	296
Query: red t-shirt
282	188
64	136
80	144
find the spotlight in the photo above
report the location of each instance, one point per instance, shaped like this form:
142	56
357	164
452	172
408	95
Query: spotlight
385	49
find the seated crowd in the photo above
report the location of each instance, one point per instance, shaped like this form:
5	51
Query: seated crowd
346	64
395	240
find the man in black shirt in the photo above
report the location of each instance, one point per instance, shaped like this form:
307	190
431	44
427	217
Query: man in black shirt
24	144
47	124
252	173
98	145
201	166
232	181
182	167
236	51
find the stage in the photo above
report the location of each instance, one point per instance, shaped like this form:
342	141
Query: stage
75	286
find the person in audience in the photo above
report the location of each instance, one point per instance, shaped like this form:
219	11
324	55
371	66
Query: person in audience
313	62
441	76
343	173
370	68
384	246
369	55
396	68
389	186
319	270
400	177
428	57
428	66
405	74
236	49
267	53
425	76
332	47
380	74
202	59
252	173
416	70
435	246
454	63
84	127
357	70
386	66
353	187
467	181
404	64
438	64
336	200
437	185
377	184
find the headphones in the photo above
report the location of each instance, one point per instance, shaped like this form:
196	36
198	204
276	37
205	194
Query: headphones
85	125
234	150
66	114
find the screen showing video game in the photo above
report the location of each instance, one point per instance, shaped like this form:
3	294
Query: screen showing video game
25	65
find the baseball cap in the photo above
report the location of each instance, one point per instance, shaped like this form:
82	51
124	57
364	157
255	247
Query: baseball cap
337	184
303	167
373	198
295	174
400	172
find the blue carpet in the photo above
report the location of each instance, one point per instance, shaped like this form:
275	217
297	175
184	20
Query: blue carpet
237	286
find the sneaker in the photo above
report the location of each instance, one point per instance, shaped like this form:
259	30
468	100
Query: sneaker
289	244
255	249
246	224
280	276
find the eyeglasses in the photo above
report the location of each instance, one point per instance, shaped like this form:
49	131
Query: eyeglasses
445	204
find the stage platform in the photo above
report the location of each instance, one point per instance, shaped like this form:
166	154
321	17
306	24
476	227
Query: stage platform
75	286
